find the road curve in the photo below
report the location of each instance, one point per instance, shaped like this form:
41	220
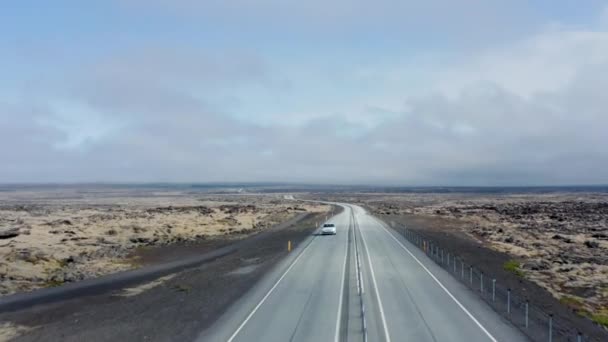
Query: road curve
313	295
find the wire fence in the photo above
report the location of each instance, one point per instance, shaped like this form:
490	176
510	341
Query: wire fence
532	321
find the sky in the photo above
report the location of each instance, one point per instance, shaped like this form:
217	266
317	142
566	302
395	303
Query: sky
387	92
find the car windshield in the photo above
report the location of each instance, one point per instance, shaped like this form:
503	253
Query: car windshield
328	225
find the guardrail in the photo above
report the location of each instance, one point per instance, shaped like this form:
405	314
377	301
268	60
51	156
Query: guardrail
532	321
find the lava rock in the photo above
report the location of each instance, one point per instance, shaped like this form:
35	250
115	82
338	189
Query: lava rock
139	240
9	233
592	244
536	265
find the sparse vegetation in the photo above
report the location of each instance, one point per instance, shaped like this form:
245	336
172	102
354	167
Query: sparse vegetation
513	266
601	318
77	236
573	302
63	263
53	283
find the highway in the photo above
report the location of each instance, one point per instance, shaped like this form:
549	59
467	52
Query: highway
364	284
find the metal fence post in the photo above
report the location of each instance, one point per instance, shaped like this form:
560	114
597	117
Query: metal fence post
461	269
481	282
454	262
509	301
579	337
448	259
442	256
550	327
527	304
493	290
471	275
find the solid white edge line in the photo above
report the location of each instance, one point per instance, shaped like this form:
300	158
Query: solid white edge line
339	319
267	295
440	284
371	269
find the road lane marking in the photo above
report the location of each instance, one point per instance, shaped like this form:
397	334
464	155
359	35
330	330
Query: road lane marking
339	320
233	336
359	281
371	269
440	284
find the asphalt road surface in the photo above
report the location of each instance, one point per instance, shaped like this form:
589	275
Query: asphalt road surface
364	284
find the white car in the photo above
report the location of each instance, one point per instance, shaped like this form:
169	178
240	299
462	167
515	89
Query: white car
328	229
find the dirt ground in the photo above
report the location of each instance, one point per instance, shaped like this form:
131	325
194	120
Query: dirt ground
173	308
55	236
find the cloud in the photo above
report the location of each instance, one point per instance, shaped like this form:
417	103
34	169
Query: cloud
528	112
412	22
543	62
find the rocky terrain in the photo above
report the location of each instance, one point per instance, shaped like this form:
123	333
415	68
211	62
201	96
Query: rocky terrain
173	307
558	240
51	237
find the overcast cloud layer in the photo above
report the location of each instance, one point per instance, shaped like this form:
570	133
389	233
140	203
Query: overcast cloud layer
382	92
